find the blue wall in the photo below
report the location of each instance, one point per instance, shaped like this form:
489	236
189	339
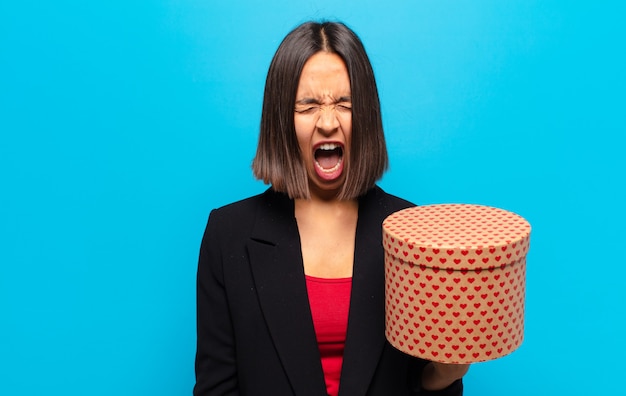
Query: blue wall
123	123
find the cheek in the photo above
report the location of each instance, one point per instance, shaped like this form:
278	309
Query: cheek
346	126
302	134
302	139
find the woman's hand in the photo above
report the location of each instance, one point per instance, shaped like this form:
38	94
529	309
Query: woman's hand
437	376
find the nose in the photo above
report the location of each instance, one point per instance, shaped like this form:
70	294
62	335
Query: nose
327	121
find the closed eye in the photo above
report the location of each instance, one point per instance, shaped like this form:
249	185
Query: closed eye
313	108
306	109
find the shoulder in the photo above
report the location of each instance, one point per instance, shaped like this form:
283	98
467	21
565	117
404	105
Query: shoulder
231	226
239	216
237	208
247	206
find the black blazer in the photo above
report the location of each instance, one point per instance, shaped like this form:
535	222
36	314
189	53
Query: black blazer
254	326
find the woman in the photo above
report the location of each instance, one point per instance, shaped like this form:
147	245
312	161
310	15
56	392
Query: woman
290	294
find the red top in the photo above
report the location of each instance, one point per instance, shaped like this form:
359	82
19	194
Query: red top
330	304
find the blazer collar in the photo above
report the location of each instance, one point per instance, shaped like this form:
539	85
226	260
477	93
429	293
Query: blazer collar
276	261
366	322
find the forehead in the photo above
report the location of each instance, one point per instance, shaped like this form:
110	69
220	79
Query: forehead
324	74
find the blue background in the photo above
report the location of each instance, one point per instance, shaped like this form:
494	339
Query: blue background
122	124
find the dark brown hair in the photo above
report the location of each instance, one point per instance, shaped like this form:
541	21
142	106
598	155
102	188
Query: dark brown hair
278	158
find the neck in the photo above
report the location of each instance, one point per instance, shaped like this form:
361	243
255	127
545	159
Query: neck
329	194
327	231
331	206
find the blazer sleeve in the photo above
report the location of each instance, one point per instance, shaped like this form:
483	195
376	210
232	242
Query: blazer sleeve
215	365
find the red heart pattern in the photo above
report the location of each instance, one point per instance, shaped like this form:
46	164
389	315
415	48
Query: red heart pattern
455	281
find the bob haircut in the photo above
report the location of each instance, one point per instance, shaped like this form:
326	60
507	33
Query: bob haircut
278	160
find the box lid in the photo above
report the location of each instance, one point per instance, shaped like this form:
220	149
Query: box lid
456	236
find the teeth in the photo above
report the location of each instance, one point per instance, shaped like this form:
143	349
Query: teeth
334	168
328	146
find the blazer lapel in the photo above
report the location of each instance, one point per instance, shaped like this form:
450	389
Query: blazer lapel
276	262
366	322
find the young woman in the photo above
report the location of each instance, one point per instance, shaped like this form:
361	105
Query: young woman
290	294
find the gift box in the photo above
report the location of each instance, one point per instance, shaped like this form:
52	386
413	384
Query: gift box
455	277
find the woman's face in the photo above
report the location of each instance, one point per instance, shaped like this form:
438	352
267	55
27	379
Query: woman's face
323	122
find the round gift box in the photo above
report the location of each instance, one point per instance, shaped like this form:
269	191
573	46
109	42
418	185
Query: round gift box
455	281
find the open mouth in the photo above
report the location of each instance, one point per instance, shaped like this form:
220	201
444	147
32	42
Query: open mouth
329	157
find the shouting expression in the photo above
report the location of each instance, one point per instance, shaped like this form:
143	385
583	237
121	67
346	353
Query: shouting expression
323	122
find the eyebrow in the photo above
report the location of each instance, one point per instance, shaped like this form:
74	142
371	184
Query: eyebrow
307	101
